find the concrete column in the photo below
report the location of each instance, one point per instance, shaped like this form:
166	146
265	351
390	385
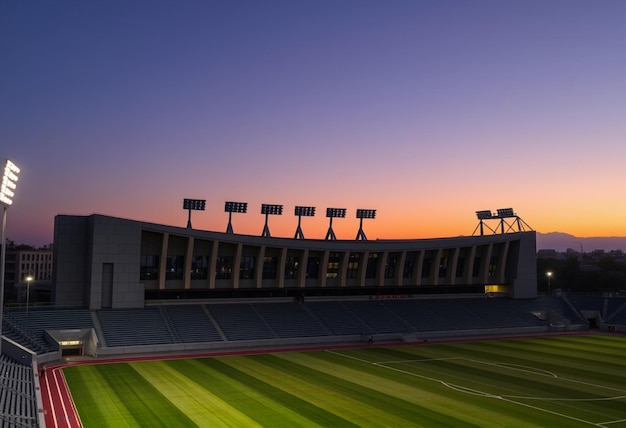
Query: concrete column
434	274
324	268
382	263
304	262
502	264
399	273
484	274
162	265
188	259
419	266
343	268
213	264
258	269
236	266
469	267
282	261
362	272
452	264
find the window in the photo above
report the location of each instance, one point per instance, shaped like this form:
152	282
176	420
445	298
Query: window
476	267
493	266
291	267
246	269
390	267
313	268
372	266
174	267
460	265
200	267
332	270
224	267
409	264
269	267
353	265
443	264
426	268
148	267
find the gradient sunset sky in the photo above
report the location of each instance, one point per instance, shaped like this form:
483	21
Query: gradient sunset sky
424	110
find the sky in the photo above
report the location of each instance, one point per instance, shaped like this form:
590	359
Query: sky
426	111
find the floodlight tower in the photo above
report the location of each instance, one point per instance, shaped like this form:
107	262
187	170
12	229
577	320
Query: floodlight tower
269	209
193	204
503	214
361	214
483	215
302	212
7	192
234	207
332	213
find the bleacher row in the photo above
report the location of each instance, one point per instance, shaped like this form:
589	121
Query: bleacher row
197	323
18	405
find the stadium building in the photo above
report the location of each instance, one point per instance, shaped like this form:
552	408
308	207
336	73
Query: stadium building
104	262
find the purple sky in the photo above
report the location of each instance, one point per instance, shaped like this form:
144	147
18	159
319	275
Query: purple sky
424	110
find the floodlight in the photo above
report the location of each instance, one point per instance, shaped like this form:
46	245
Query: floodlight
332	213
234	207
305	211
193	204
302	212
9	183
484	215
335	212
7	192
361	213
505	212
270	209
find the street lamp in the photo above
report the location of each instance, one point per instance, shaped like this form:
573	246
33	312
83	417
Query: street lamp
29	278
549	275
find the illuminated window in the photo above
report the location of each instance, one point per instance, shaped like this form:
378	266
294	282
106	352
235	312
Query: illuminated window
200	267
174	267
223	267
291	267
353	265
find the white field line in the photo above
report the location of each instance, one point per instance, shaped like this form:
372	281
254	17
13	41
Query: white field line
69	394
619	421
469	390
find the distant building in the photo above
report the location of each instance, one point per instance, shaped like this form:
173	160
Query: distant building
107	262
22	262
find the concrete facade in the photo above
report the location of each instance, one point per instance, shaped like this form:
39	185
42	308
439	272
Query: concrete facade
107	262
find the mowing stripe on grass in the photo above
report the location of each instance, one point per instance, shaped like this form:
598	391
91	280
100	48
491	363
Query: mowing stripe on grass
203	406
146	406
263	399
364	404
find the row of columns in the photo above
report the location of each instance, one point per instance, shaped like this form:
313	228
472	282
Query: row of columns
453	254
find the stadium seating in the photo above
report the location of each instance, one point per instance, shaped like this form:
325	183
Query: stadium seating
18	405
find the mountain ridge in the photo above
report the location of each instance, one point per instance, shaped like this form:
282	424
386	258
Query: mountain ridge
561	241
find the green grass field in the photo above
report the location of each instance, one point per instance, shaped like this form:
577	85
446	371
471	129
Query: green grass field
549	382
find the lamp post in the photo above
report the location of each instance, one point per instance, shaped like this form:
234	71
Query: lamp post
549	275
7	192
29	278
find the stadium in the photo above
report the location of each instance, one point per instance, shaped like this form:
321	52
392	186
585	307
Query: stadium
282	322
